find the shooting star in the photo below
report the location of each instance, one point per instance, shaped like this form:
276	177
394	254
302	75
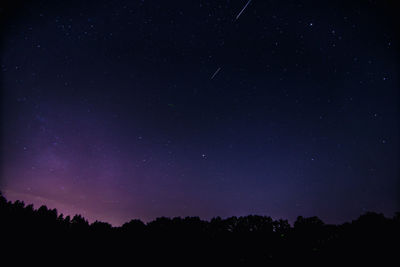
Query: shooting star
240	13
215	73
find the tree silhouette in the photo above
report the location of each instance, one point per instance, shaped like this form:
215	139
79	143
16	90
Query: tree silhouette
250	240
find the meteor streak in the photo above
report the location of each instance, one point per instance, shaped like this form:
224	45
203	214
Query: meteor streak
215	73
240	13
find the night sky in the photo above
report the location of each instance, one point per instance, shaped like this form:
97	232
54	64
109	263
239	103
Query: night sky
139	109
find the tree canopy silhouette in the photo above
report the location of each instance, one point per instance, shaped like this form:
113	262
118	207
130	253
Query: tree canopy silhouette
249	239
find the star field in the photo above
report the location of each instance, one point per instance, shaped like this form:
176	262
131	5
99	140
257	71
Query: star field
140	109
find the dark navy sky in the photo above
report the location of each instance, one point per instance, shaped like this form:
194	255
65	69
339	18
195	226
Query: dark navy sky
111	110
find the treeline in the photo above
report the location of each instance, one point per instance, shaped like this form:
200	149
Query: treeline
248	240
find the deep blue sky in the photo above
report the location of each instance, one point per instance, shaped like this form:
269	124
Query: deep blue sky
109	109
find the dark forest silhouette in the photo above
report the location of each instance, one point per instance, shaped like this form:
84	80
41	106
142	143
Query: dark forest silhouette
43	234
